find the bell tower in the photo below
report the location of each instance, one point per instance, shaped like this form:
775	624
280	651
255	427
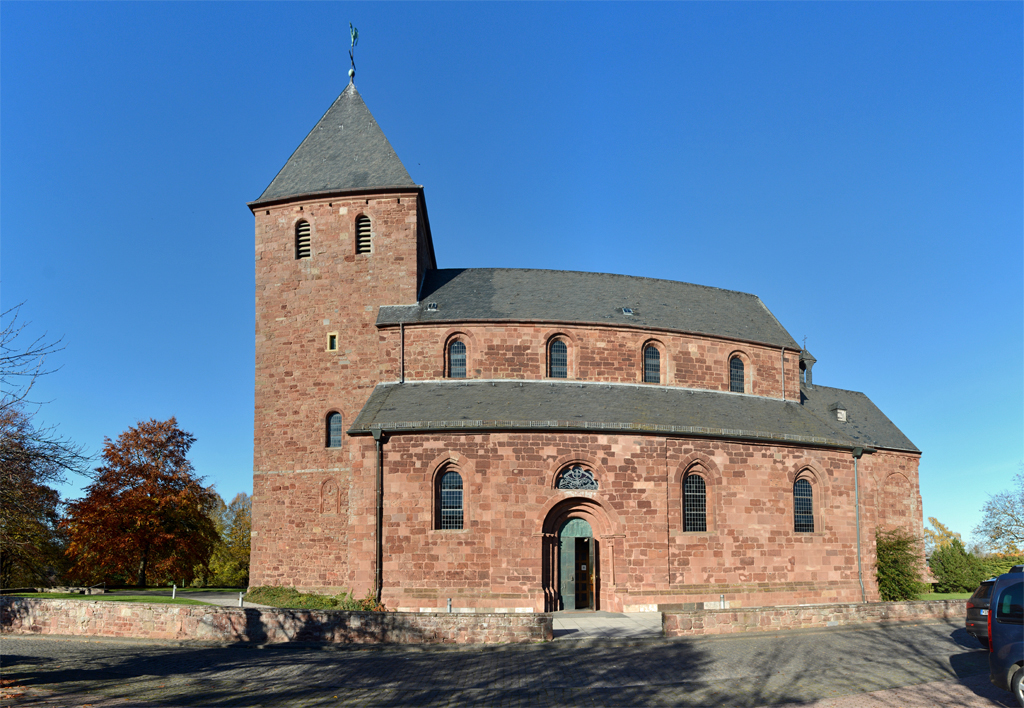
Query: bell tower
341	230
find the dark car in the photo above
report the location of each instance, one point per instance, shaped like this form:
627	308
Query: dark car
1006	634
977	611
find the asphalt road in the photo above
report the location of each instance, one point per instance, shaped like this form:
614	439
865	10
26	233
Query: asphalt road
745	671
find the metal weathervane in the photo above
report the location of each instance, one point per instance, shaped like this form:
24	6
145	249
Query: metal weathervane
351	56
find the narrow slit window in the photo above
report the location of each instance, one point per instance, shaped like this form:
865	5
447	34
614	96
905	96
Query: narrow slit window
363	240
736	383
451	500
695	504
457	360
558	367
803	507
302	245
332	342
334	430
652	364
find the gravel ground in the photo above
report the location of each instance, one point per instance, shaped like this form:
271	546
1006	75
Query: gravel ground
905	666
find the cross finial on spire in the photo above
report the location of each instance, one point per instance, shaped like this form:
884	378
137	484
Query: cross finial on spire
805	342
351	56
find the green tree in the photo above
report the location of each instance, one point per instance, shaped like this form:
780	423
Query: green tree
229	566
938	536
147	515
955	569
898	565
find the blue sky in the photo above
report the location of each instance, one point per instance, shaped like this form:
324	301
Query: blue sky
859	166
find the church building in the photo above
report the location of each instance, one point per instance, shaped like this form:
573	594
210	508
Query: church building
535	440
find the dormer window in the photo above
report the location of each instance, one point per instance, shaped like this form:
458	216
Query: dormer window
840	411
302	244
363	238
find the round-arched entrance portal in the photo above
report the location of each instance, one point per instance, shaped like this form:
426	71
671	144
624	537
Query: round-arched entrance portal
578	534
577	571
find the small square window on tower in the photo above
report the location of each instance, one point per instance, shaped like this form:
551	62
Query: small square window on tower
332	341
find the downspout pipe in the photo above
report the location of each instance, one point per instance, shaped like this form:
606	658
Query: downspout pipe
379	438
783	369
857	452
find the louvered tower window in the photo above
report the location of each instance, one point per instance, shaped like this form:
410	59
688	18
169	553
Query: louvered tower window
451	501
695	504
363	234
334	430
736	375
558	360
803	507
302	239
457	360
652	364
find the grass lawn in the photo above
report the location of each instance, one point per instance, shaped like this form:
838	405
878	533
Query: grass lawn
944	596
112	597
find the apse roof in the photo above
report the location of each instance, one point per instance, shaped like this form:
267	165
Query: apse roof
865	423
481	294
345	150
454	405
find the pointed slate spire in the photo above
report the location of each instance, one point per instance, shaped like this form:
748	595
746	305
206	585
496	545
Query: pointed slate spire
345	150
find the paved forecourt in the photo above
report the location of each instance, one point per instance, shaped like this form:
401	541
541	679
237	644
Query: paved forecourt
925	664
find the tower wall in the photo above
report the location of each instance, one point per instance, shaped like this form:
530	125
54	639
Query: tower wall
306	502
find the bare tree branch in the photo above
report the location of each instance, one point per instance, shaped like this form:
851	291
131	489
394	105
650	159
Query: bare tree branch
1002	525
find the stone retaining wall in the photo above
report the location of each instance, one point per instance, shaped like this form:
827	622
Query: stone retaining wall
768	619
263	626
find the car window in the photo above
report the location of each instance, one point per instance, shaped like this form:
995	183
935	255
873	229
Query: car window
983	591
1010	606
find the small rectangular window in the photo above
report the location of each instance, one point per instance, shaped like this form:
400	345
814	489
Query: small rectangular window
332	342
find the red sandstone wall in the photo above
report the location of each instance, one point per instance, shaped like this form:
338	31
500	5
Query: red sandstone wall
750	552
303	502
518	351
768	619
263	626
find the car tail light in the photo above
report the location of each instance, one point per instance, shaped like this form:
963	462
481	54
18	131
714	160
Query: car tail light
990	630
969	604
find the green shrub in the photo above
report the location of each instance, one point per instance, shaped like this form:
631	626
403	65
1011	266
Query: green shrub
955	569
898	565
994	566
293	599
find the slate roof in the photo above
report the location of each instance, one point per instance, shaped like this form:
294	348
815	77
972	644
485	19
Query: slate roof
475	294
452	405
345	150
865	423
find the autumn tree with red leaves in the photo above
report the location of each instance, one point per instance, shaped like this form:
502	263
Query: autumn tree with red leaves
147	514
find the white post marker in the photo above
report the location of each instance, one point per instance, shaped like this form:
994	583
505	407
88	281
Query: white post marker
174	591
240	596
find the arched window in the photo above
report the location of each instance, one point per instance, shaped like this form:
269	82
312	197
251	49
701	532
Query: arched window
450	500
302	248
803	507
457	360
334	430
558	360
576	477
363	241
736	375
652	364
695	509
